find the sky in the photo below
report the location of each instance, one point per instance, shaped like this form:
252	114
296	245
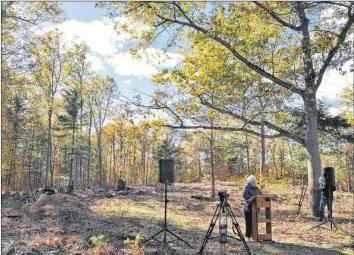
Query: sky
107	55
89	24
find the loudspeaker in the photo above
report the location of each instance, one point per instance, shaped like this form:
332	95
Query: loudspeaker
328	174
166	170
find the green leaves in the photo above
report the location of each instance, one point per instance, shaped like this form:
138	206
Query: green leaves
98	241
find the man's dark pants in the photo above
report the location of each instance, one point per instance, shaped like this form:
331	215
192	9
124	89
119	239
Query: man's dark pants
323	203
248	220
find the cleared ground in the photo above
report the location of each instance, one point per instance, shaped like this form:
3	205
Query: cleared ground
72	224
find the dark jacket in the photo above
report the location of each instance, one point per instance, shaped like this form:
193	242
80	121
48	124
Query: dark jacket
327	191
247	194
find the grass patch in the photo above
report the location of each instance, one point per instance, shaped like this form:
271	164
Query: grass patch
148	210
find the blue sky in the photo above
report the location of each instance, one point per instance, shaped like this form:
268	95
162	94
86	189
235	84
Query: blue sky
108	58
89	24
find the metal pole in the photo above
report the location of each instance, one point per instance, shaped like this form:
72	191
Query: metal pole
165	224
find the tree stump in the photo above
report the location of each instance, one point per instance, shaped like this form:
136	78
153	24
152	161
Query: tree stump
121	185
70	188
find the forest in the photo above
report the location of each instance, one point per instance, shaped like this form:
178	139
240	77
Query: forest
242	100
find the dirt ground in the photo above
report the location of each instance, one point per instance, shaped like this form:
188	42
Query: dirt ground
89	222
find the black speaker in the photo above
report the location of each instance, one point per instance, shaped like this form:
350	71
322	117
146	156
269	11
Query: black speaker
166	170
328	174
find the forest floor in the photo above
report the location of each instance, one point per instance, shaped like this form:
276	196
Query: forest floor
88	222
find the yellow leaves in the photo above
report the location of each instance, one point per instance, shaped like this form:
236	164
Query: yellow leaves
68	68
194	107
199	91
212	113
347	98
179	107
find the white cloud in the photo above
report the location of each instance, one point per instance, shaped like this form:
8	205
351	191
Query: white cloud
125	64
96	62
99	35
333	83
335	110
127	82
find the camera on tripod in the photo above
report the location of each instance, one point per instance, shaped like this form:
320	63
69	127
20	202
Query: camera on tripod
223	196
223	212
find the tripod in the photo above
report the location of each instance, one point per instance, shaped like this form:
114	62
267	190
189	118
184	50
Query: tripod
165	229
328	182
330	218
224	207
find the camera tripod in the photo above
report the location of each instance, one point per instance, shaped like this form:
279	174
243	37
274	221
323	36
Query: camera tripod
329	219
165	229
224	207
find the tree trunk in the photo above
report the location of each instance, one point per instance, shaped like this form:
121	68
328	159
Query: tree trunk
82	177
349	183
282	159
248	155
30	163
262	166
200	172
111	165
72	153
89	152
114	162
52	168
49	149
41	164
212	164
100	156
143	162
312	148
274	161
77	170
292	168
121	155
133	167
12	164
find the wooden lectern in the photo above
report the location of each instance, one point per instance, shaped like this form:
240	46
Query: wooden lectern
261	202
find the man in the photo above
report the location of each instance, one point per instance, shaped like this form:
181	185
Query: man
249	194
326	196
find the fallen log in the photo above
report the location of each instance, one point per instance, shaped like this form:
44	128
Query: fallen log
9	249
202	198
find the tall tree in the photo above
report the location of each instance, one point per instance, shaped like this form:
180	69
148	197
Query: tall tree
69	121
18	21
48	75
79	73
292	44
101	93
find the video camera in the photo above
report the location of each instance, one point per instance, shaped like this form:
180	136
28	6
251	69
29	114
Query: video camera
223	196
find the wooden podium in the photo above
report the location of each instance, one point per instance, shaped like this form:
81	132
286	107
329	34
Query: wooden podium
262	202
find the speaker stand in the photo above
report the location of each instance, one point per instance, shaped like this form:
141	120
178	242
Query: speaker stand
330	219
165	229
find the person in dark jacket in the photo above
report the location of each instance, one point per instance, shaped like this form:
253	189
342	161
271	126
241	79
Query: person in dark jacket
326	196
249	194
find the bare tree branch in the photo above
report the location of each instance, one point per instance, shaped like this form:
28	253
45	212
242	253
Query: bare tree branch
159	106
334	50
281	131
231	129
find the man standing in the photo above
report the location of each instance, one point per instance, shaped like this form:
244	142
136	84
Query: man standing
327	189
